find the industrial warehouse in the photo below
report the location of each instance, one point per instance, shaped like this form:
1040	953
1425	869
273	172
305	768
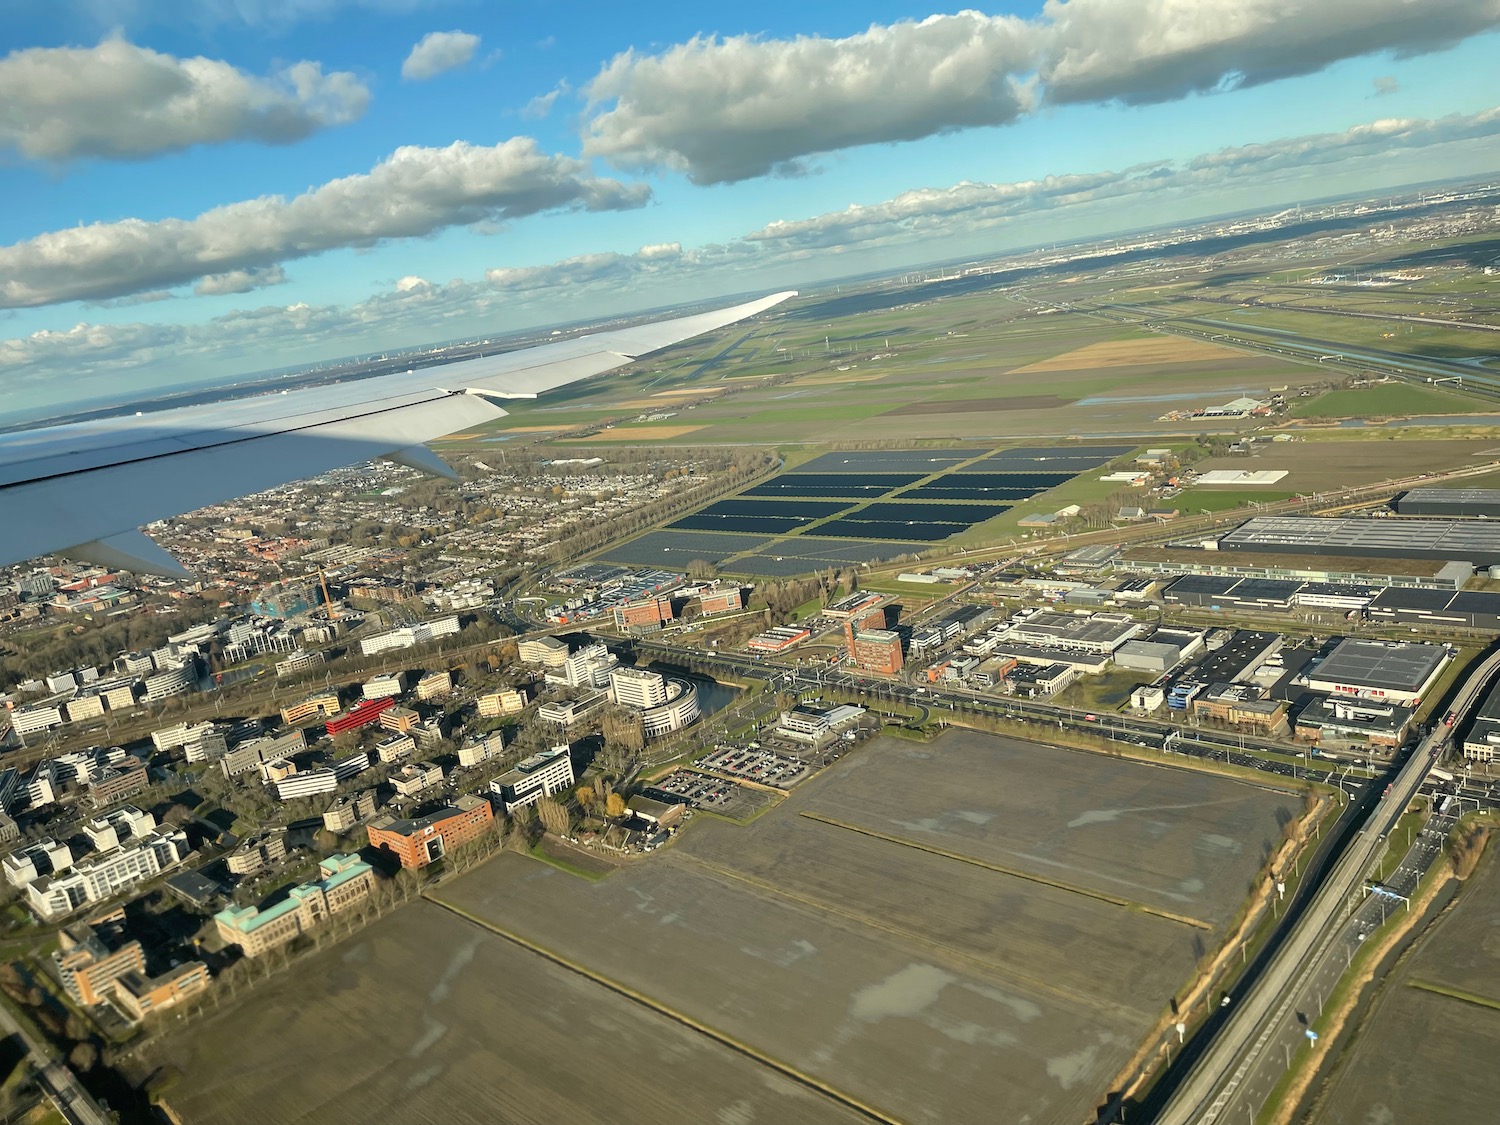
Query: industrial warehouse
1472	502
1473	541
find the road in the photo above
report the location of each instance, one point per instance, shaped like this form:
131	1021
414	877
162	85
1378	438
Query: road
1232	1072
56	1079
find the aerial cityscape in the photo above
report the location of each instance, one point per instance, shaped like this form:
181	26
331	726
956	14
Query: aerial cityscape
870	565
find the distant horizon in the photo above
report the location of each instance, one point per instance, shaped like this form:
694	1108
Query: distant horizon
255	381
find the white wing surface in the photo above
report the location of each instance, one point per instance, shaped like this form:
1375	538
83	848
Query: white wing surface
83	490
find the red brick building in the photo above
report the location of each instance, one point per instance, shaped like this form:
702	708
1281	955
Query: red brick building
416	843
648	613
876	650
720	601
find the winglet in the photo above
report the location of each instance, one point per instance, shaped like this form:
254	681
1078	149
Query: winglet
130	550
424	460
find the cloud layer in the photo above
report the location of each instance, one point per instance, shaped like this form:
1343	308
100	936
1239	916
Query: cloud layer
729	109
437	52
123	102
415	191
726	109
418	309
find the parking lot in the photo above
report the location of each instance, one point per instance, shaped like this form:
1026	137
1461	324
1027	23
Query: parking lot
757	764
714	794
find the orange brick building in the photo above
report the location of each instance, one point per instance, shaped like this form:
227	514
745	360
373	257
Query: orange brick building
649	613
416	843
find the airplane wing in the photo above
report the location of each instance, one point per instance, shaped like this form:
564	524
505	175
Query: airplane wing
85	489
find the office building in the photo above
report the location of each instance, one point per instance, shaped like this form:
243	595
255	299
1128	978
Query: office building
349	810
298	662
116	783
346	882
637	687
409	636
876	650
310	783
480	749
118	826
566	713
91	955
435	685
259	852
540	775
99	877
319	705
503	702
416	778
138	995
389	684
362	714
1391	671
549	652
249	755
424	840
1361	723
647	615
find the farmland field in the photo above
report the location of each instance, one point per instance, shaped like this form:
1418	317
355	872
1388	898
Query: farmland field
968	930
1387	400
425	1019
1418	1055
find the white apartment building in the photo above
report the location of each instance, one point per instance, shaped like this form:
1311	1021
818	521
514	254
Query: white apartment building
504	702
102	876
409	635
549	652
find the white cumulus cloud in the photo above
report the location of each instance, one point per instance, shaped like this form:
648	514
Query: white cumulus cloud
120	101
438	52
726	109
730	109
413	192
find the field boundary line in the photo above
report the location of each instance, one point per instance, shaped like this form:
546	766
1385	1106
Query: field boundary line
990	968
1459	994
932	849
802	1078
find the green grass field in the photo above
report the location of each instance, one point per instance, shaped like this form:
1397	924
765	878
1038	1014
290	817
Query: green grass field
1388	400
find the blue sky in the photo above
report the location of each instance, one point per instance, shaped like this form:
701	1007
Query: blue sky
727	144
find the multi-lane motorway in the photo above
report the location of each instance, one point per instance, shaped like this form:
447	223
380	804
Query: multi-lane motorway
1237	1066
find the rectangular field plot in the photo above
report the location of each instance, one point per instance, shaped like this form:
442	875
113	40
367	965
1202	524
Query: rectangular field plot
918	967
832	484
1418	1053
1172	840
920	461
847	528
427	1019
965	515
673	550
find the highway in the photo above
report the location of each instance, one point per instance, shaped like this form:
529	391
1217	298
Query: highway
1225	1077
56	1079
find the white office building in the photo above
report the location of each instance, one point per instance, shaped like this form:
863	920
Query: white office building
105	875
637	687
409	636
308	784
540	775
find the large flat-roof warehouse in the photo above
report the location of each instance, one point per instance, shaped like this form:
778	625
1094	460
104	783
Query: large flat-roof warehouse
1454	539
1391	670
1449	502
1472	541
